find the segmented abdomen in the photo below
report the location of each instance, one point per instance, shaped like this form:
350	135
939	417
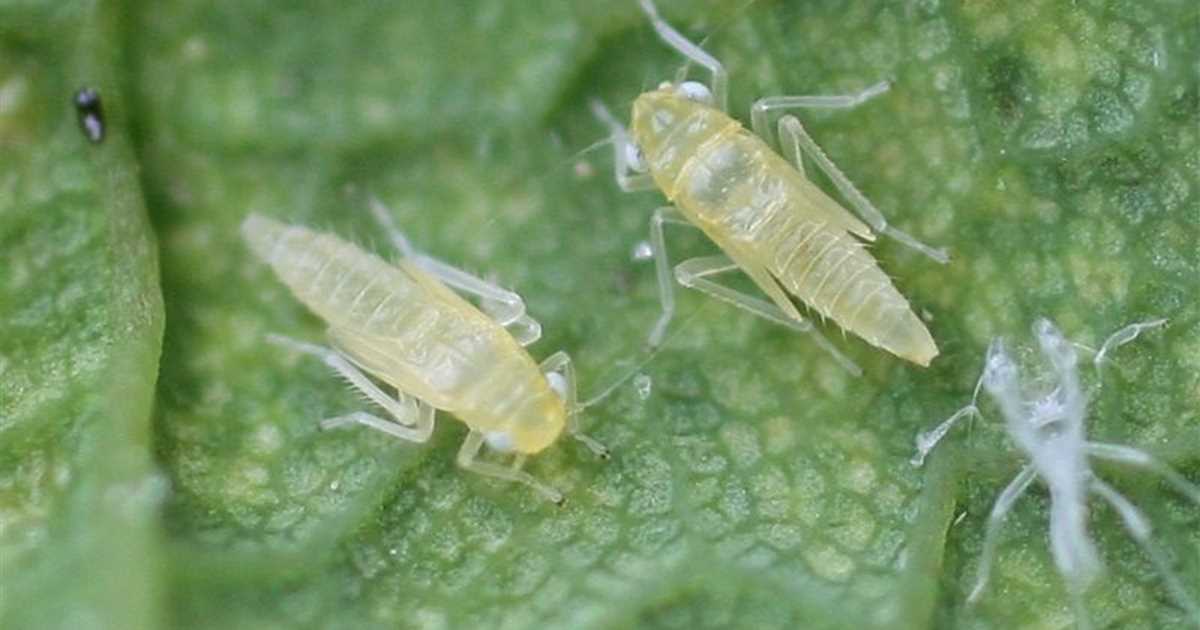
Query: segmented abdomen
403	326
343	285
831	271
751	201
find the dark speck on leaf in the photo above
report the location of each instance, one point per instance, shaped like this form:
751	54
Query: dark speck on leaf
91	114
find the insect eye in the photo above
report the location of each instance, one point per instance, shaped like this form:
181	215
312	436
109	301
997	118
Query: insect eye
695	91
634	158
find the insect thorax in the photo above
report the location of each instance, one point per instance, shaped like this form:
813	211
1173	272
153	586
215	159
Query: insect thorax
670	130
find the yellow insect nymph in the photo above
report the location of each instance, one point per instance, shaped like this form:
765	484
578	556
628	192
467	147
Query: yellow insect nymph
402	325
764	213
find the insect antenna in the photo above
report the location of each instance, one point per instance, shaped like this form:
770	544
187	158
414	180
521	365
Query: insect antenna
630	373
599	144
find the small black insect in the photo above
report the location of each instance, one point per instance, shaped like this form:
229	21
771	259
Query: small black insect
91	114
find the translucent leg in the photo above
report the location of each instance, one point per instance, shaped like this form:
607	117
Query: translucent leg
1138	527
413	418
506	307
762	108
1122	337
383	216
662	269
1000	510
795	141
927	440
627	179
694	274
420	434
561	373
467	460
789	144
1141	459
694	53
793	133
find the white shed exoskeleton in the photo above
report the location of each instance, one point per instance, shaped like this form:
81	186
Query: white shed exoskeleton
767	217
402	325
1046	421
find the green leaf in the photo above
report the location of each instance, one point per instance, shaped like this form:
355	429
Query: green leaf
1053	147
81	321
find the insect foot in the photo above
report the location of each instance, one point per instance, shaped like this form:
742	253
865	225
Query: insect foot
1044	417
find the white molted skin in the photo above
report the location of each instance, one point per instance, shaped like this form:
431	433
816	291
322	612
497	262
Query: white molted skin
1048	427
1045	418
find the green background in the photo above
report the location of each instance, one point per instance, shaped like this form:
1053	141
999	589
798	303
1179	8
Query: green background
175	477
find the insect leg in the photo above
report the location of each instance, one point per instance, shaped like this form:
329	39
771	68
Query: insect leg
694	53
927	440
662	269
1000	510
1138	526
467	459
694	274
794	140
383	216
1141	459
506	307
561	373
797	139
502	305
413	418
419	435
627	179
1122	337
762	108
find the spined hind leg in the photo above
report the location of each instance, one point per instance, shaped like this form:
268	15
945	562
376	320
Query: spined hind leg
502	305
694	273
413	418
468	459
795	142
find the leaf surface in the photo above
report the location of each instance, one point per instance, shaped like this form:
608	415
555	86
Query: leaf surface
1052	147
